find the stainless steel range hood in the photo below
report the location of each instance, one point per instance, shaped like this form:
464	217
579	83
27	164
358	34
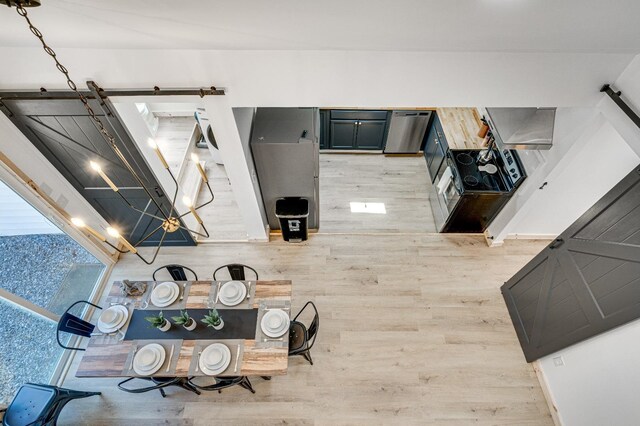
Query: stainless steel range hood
522	128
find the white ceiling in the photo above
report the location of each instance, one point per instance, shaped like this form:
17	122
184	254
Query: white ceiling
391	25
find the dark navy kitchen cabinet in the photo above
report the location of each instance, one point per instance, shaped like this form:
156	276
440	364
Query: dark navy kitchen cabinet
370	134
343	134
435	147
324	129
363	130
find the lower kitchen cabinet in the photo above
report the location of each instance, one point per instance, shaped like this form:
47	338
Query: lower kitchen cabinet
370	134
363	130
435	147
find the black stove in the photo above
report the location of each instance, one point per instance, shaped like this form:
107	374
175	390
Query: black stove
472	178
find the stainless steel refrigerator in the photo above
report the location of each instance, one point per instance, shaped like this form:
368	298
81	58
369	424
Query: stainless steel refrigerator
285	149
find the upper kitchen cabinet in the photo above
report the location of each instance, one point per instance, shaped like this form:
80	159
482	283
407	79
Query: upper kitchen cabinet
355	129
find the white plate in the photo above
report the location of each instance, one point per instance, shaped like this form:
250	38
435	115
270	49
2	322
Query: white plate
270	318
229	299
123	314
153	348
160	302
226	352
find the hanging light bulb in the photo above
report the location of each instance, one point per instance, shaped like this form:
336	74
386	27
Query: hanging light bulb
196	160
116	234
95	166
113	232
187	202
152	143
79	223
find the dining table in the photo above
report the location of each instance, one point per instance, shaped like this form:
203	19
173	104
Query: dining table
253	352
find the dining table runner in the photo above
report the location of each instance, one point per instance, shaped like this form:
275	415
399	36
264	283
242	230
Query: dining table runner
238	324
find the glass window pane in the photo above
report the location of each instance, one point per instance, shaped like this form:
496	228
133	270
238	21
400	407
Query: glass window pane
29	352
39	262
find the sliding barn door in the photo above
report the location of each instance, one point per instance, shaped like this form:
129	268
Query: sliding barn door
64	133
584	283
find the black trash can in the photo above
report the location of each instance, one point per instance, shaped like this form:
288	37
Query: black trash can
293	214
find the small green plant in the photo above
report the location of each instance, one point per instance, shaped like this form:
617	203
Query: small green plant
183	319
212	319
157	320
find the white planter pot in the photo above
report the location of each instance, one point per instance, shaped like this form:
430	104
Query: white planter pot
219	326
192	326
166	326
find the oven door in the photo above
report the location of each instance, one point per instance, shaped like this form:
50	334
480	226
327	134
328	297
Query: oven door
453	187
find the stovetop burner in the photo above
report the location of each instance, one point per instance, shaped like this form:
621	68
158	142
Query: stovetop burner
471	180
464	158
474	179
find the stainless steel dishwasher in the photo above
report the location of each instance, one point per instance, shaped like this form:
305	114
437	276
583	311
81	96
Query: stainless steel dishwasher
406	131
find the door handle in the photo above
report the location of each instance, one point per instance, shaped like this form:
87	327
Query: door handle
556	243
159	192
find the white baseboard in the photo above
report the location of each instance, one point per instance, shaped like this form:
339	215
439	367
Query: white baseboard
547	393
530	236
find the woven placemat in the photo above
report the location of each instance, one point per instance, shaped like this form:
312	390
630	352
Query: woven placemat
168	366
200	345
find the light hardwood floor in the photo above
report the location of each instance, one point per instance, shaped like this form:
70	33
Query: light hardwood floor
401	183
413	331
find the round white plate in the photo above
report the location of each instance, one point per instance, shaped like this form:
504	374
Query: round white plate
232	293
151	350
162	302
122	313
269	321
226	360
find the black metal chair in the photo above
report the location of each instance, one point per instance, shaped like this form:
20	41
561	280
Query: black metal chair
236	271
225	382
159	383
177	272
36	404
70	323
301	337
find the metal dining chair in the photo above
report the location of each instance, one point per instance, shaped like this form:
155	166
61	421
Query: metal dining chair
225	382
159	383
236	271
70	323
301	337
36	404
177	272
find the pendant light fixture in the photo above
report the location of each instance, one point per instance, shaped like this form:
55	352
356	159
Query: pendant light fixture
170	221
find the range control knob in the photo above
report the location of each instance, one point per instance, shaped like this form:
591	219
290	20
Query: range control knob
512	170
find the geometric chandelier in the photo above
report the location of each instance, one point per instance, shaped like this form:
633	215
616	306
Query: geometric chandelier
171	220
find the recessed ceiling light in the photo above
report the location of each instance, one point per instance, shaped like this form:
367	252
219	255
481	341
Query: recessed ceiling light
376	208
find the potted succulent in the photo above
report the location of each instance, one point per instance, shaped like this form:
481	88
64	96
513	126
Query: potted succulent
213	319
185	320
159	322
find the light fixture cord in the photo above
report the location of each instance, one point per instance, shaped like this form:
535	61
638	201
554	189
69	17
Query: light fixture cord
72	85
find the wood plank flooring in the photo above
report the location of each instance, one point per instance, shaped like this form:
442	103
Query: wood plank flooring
413	331
401	183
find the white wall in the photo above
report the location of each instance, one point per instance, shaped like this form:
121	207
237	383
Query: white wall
586	169
244	120
236	160
600	379
17	217
333	78
599	382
